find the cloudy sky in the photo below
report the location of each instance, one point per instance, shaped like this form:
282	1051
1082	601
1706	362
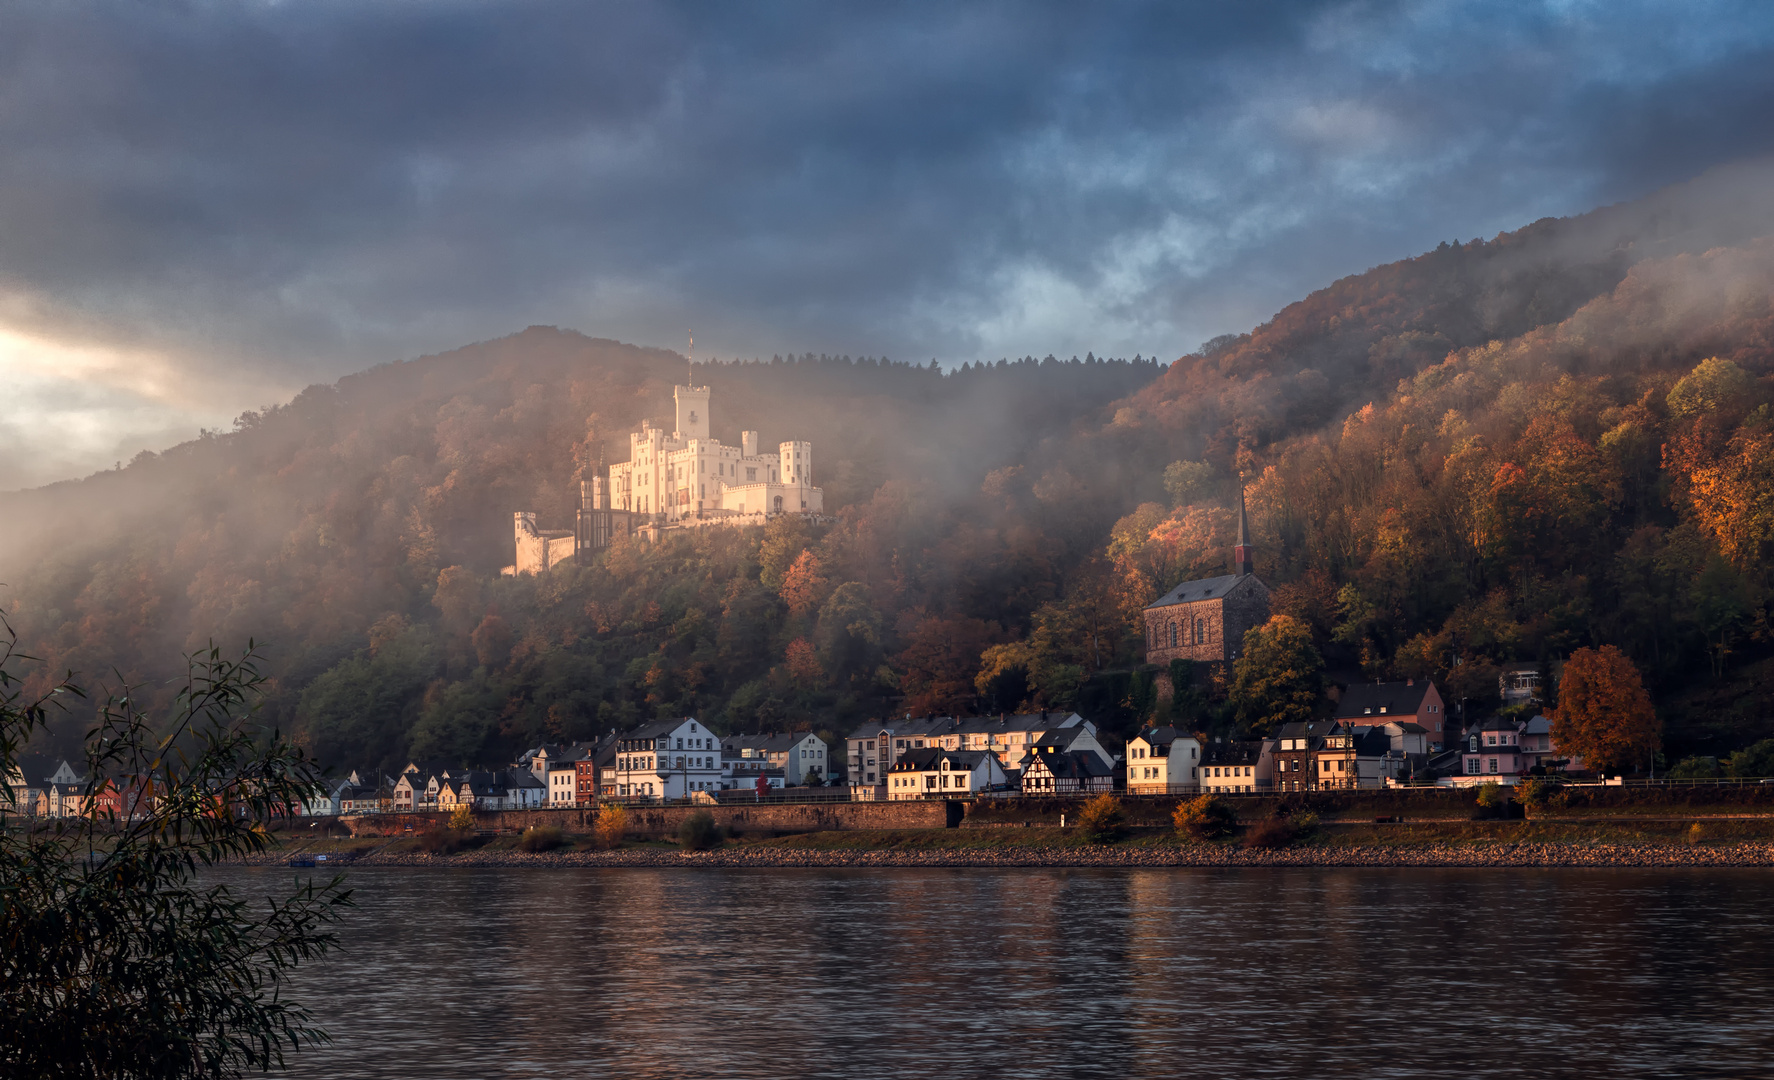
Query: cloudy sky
205	206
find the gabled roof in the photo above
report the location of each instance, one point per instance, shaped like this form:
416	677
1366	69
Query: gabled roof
1072	764
658	728
913	726
1238	752
1188	592
1160	738
929	758
780	742
1539	725
1360	701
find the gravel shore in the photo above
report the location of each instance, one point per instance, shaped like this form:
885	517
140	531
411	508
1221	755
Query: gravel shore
1486	855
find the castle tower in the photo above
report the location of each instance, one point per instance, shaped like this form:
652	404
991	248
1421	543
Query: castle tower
692	412
796	463
1241	554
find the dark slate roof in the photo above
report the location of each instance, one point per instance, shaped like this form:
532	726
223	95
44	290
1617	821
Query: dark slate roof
1161	738
1539	725
1363	700
1232	753
915	726
928	758
1074	764
1205	589
1373	743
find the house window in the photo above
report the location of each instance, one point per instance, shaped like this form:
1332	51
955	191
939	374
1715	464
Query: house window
1493	764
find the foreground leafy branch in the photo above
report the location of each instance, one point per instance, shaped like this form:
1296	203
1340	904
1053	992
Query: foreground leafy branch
117	957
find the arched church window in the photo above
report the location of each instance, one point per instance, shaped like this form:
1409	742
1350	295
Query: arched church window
1200	631
1173	635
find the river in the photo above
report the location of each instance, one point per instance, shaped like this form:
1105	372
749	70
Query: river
1053	973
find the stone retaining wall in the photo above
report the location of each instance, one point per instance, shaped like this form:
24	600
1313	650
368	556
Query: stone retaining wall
770	819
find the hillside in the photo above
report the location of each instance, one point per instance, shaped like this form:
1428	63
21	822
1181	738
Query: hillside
1494	452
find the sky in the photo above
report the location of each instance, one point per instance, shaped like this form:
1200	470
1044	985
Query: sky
206	206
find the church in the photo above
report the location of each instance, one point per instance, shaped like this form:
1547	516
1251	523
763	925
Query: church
1206	620
684	479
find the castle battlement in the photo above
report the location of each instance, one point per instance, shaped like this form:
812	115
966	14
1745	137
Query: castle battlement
684	479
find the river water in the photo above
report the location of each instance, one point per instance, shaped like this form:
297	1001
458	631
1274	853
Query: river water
1051	973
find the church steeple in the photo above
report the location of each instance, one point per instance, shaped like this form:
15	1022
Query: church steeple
1241	553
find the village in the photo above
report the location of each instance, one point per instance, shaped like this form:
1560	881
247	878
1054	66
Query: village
1382	736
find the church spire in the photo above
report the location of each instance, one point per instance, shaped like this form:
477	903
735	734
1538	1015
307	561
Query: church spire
1241	553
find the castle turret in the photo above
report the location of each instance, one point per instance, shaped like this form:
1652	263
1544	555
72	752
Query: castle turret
692	411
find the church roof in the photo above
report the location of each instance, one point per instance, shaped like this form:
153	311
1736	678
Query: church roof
1205	589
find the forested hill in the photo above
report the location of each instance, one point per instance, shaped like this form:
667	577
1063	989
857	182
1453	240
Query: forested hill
1494	452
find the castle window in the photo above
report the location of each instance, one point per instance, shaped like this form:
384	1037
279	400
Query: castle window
1200	631
1173	635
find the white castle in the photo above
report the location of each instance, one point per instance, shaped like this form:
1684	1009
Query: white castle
686	479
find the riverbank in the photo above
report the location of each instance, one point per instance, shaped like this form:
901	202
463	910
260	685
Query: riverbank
1522	845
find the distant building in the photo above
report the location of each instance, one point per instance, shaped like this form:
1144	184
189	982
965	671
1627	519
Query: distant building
1238	767
1066	772
930	772
667	759
801	755
1206	620
685	479
1412	701
1163	761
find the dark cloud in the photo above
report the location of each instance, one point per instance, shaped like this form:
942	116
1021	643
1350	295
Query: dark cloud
271	194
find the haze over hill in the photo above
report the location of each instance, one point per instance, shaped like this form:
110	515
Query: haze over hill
1496	451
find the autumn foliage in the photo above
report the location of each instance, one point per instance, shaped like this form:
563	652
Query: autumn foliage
1604	714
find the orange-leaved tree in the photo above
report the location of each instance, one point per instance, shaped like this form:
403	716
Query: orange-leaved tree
1604	714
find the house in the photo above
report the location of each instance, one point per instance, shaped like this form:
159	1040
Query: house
30	778
1412	701
1292	754
1163	761
1238	767
1206	620
563	782
1538	751
586	771
801	755
1079	738
1493	752
1355	757
873	748
1066	772
523	791
1008	735
1518	686
930	772
667	759
1406	737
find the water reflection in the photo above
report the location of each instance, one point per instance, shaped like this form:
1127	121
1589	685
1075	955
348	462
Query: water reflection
1160	973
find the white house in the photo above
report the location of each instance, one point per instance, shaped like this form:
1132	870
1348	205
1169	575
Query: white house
667	759
1163	761
563	782
1235	768
928	772
801	755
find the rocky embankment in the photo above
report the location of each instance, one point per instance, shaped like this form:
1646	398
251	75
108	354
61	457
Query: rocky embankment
1477	855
